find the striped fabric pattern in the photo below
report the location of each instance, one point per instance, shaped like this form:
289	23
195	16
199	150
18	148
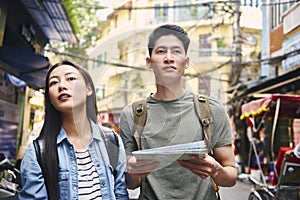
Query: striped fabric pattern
88	178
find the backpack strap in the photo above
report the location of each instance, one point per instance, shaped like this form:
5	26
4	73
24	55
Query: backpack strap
139	111
39	146
139	120
111	141
205	117
203	111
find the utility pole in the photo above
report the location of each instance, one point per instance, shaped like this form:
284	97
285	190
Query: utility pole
265	40
237	45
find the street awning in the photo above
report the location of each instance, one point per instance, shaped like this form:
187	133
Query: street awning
289	81
52	18
283	84
27	66
289	106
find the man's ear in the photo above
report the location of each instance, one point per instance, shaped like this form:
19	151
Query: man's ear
89	90
148	63
187	62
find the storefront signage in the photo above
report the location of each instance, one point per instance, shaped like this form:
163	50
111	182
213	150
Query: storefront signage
29	33
290	46
9	112
9	119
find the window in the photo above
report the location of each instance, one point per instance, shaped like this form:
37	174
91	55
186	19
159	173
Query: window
116	21
99	59
275	14
161	12
204	85
204	45
254	3
278	8
182	12
129	15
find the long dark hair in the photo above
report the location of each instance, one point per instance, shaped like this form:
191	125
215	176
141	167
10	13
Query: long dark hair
53	124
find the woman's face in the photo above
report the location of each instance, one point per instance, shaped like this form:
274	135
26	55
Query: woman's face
67	89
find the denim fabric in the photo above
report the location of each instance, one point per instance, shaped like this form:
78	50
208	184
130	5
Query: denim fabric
32	180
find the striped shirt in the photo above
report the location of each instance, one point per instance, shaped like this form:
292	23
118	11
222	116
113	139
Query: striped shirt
88	178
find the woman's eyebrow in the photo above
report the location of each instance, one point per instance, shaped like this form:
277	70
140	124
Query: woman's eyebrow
66	74
51	77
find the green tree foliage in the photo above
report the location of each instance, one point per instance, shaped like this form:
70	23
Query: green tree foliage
83	18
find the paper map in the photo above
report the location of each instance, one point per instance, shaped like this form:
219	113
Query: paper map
168	154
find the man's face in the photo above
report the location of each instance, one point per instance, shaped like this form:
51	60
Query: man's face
168	58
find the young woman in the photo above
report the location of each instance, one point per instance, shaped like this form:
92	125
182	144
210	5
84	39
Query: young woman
77	160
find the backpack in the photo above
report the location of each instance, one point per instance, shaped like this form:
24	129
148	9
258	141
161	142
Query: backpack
110	139
201	104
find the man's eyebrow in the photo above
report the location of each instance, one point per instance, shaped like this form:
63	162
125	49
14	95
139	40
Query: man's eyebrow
161	46
173	47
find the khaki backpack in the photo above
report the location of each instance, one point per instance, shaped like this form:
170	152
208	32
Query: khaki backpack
201	104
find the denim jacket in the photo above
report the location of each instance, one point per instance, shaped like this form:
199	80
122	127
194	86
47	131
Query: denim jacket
32	180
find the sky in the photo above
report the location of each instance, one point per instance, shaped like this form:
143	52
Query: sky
104	12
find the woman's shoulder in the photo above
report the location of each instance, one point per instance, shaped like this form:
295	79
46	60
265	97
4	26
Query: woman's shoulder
30	149
29	156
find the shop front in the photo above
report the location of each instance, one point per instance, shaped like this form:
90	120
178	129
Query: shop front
26	27
287	130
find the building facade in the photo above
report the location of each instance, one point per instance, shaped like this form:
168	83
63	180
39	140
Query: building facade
216	30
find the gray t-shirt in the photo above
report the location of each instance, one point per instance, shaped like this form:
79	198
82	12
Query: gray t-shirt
169	123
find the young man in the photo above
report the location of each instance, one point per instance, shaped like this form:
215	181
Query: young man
172	119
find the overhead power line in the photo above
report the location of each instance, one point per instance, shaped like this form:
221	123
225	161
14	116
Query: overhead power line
271	60
93	60
204	4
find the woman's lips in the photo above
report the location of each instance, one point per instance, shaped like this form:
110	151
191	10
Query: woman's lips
63	96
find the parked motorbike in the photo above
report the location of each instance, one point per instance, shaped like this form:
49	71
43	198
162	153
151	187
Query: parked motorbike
9	179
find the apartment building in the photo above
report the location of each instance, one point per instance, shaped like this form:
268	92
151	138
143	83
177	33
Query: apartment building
216	29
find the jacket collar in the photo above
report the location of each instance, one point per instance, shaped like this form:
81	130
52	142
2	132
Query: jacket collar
95	131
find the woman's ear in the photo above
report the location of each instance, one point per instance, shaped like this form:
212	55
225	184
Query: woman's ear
89	90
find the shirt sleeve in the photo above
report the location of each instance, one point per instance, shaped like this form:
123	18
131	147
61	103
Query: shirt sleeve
126	129
221	131
120	183
32	180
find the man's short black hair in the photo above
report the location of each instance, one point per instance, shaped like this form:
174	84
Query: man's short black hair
168	29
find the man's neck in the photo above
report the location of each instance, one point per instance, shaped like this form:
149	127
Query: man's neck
168	94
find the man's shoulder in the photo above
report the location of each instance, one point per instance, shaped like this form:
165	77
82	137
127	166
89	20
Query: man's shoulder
215	104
